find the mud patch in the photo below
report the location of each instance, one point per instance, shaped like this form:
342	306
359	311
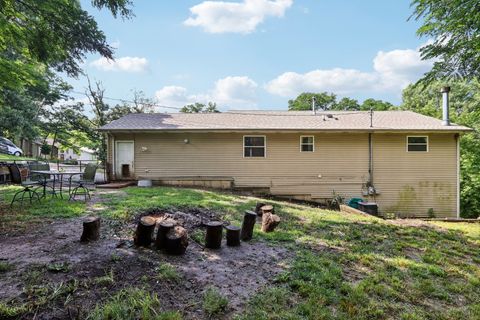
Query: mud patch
50	258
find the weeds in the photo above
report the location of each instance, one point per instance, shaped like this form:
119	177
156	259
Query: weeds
132	303
107	279
59	267
11	312
166	271
213	302
6	266
115	258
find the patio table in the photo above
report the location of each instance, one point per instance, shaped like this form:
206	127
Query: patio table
57	176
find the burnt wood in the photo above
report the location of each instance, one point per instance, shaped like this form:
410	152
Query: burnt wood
163	228
249	220
176	241
258	206
145	228
213	236
91	229
233	235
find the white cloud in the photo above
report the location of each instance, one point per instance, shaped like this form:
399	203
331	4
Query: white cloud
398	68
173	96
127	64
234	91
236	17
230	92
392	71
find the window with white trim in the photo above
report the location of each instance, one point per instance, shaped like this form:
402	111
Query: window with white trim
254	146
307	144
417	143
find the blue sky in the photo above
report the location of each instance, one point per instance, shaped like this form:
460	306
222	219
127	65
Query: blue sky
258	54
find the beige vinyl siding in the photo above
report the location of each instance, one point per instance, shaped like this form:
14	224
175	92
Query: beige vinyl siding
411	183
339	164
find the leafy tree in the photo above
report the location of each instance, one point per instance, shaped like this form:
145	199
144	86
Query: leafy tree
53	34
37	39
323	101
464	109
346	104
22	111
139	104
454	26
376	105
211	107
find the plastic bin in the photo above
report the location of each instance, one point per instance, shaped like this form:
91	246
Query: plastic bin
354	202
368	207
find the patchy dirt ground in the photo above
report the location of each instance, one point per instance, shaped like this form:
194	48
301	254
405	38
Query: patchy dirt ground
50	263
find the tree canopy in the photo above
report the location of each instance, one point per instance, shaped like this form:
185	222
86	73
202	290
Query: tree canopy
39	39
211	107
454	26
328	101
53	34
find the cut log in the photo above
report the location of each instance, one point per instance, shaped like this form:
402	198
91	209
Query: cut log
213	236
143	235
233	236
258	207
266	209
177	241
163	228
270	222
91	229
247	226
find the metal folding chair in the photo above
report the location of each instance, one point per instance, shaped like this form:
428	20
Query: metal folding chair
28	181
87	179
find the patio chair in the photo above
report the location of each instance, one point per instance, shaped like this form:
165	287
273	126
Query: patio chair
87	179
42	180
28	183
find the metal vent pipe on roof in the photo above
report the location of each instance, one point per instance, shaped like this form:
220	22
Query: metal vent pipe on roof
445	106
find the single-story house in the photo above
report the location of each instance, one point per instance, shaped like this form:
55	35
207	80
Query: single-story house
83	154
406	162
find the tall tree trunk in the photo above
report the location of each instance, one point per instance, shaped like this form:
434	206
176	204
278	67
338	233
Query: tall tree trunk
53	143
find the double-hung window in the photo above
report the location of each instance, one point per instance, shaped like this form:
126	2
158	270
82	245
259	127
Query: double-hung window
254	146
417	144
307	144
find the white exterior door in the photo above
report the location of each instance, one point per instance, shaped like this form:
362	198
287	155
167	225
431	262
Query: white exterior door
124	156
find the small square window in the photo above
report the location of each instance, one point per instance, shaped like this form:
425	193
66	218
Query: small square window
307	144
417	144
254	146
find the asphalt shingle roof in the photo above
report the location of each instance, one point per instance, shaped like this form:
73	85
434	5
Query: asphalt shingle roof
281	120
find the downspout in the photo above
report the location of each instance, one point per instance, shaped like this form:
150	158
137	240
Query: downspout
370	155
457	140
370	161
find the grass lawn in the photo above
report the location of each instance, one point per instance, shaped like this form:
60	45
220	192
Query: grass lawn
9	157
345	266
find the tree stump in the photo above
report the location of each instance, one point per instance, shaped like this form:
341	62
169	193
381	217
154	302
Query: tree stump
176	241
213	236
143	235
233	236
249	220
91	229
257	208
270	222
163	228
266	209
